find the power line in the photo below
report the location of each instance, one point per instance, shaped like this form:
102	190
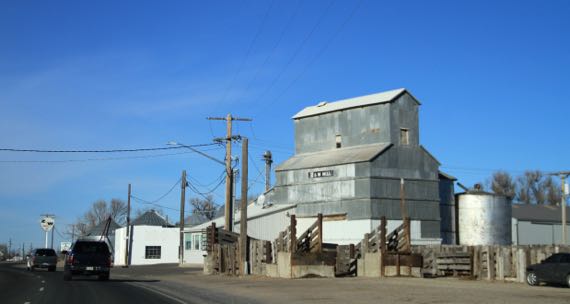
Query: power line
142	201
196	182
102	151
297	51
274	49
167	193
248	53
319	53
97	159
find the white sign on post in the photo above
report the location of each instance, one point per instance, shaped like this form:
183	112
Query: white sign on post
47	223
64	246
566	189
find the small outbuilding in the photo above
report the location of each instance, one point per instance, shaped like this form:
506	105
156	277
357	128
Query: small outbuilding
537	224
152	241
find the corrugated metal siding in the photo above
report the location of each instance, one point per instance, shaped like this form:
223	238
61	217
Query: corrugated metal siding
360	126
267	227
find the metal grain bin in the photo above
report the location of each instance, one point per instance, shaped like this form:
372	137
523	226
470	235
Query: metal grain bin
484	219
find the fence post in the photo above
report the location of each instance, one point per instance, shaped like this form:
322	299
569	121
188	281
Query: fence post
293	236
490	263
500	264
320	227
407	234
383	234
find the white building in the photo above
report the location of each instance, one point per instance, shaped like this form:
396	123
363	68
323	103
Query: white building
152	241
263	223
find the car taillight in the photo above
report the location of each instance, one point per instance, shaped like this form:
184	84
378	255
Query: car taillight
70	259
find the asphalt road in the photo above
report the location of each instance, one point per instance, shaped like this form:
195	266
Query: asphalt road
19	286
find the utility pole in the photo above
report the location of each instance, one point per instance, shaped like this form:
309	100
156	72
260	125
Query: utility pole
243	214
235	175
9	247
563	175
268	161
182	203
228	208
52	230
127	238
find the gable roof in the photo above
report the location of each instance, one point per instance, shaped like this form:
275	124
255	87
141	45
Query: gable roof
150	218
334	157
539	213
355	102
97	230
196	218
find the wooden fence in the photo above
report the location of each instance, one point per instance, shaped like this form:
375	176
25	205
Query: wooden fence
260	254
506	263
309	241
223	251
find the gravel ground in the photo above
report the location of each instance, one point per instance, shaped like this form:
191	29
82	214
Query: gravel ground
185	282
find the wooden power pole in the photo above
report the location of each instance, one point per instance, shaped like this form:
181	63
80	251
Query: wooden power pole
127	239
563	175
182	202
243	213
229	172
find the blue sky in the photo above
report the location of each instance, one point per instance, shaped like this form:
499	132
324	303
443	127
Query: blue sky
492	78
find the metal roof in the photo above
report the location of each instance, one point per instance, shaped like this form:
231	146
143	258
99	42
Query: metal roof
355	102
150	218
334	157
253	211
539	213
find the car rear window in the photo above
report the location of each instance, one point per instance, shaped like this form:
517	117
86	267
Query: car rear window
91	247
45	252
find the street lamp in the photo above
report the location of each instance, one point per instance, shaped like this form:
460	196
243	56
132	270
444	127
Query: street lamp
174	143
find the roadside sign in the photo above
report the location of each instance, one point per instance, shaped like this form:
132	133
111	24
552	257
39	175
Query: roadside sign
566	189
47	223
64	246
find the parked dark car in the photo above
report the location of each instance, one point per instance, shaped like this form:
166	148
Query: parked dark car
42	258
88	257
555	270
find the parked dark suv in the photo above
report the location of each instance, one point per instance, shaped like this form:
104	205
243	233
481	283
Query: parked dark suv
555	269
42	258
88	257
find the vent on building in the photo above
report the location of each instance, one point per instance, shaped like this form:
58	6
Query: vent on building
404	137
338	141
322	103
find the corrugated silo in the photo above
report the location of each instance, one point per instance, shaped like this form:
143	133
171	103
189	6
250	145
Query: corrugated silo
483	218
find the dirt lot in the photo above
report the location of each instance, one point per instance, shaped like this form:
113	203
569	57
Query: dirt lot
344	290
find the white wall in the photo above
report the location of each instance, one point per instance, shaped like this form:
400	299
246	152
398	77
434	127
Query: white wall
193	250
142	236
346	232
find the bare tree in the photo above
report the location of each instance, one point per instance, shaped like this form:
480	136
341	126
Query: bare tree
531	187
100	211
502	183
205	207
553	192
